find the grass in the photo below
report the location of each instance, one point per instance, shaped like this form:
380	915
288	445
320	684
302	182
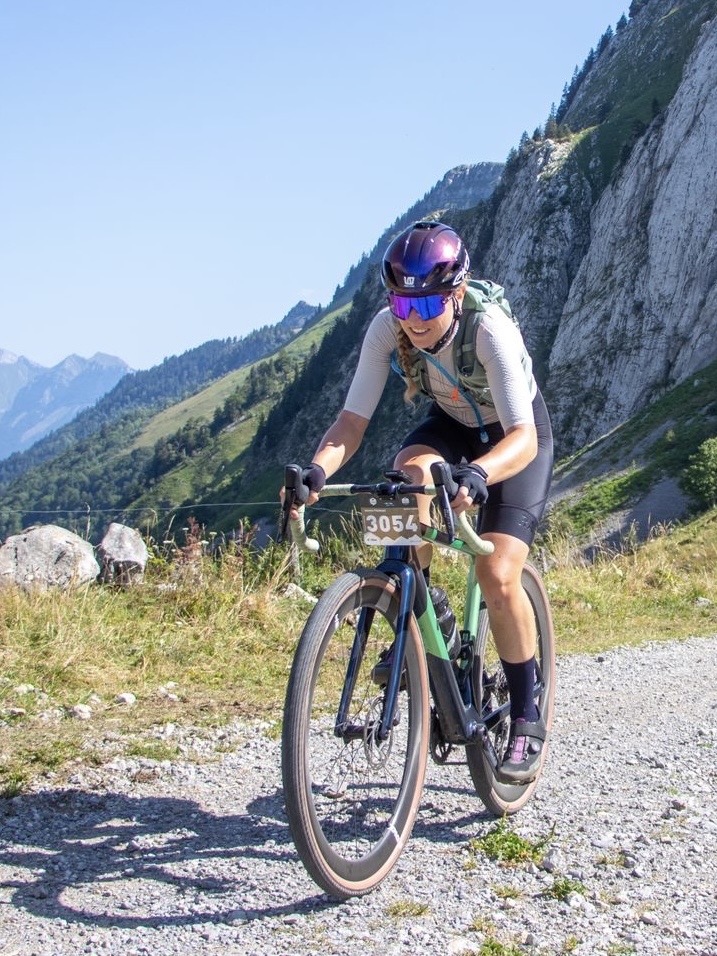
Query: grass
505	846
493	947
400	909
562	887
224	633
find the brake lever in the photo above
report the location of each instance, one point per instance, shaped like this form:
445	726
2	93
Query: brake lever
292	496
446	489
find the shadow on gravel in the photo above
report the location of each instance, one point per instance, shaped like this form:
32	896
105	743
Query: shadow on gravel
91	859
438	824
115	860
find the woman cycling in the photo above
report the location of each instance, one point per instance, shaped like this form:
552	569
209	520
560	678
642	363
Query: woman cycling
492	427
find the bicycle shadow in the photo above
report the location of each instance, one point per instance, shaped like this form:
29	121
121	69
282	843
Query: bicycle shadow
85	858
457	823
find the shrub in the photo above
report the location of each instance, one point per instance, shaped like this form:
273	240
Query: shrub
700	477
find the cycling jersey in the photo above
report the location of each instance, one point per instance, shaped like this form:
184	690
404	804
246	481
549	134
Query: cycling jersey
499	348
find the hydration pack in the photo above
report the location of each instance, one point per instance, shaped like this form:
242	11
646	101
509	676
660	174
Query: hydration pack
472	379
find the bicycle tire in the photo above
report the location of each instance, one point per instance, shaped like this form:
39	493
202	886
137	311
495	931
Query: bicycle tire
502	799
351	804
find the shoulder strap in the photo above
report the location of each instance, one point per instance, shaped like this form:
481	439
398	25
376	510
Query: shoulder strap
456	383
480	293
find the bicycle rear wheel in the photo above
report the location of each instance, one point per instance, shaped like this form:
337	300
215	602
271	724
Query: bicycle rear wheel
351	799
490	688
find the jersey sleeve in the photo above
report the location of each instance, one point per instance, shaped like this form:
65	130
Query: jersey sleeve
501	351
373	367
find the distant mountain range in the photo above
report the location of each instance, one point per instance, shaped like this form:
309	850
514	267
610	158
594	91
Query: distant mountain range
601	230
35	400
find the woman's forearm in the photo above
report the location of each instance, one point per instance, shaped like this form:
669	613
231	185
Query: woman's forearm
511	454
340	442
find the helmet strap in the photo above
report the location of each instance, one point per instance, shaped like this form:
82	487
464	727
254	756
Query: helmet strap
445	338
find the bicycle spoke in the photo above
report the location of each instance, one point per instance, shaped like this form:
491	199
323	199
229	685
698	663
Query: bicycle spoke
352	797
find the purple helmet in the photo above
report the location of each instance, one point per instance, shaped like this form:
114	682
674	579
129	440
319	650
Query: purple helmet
425	259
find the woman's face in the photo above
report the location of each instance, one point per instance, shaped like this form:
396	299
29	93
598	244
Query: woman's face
425	333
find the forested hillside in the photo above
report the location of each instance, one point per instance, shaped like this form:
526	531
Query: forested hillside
137	464
601	230
132	451
143	392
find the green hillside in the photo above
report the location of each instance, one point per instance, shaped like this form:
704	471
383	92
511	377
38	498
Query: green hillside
158	460
628	83
209	471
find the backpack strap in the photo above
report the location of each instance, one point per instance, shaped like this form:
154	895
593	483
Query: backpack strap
464	392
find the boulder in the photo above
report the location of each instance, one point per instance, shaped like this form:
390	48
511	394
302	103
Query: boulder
123	554
45	557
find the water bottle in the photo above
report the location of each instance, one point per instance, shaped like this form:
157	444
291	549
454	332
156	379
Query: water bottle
446	621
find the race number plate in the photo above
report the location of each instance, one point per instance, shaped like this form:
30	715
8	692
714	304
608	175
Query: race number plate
388	521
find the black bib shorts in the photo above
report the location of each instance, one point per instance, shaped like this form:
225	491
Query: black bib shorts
516	505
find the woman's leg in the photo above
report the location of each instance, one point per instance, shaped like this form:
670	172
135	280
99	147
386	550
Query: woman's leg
513	626
511	616
416	461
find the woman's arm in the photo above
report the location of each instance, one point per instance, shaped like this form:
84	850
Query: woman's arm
511	454
340	442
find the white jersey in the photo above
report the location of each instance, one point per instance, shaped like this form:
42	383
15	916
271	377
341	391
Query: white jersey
499	348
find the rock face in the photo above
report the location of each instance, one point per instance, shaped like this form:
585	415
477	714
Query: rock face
123	554
540	237
640	315
616	284
47	557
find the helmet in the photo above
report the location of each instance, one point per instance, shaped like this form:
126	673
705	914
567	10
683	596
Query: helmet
425	259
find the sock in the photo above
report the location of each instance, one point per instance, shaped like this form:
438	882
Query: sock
521	684
427	575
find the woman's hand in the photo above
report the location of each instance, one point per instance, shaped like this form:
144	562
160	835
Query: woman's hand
472	483
307	491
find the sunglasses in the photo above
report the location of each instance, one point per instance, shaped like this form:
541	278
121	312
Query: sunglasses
427	306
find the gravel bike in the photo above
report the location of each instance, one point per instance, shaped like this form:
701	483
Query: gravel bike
354	754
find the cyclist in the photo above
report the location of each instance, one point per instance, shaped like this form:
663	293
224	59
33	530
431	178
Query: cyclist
498	441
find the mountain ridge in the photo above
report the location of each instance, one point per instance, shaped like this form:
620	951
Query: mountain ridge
35	400
570	213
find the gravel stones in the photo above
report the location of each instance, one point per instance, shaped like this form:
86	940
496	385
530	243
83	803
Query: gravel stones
167	857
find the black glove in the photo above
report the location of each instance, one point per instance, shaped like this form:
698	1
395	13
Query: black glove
313	478
473	478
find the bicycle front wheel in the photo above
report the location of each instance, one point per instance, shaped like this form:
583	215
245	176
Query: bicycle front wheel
490	689
352	798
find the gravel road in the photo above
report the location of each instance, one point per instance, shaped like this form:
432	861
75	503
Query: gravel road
138	857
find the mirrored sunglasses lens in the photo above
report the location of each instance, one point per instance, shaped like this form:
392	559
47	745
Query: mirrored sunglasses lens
430	306
427	306
400	305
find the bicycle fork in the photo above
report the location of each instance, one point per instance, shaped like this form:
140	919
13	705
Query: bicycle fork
381	728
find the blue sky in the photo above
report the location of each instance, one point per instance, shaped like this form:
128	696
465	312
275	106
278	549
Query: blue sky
176	171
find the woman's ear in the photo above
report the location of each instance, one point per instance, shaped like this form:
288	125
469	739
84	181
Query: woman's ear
460	293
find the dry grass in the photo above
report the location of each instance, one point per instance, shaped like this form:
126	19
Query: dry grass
201	642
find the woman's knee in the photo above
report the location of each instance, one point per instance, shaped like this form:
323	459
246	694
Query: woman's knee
416	460
499	576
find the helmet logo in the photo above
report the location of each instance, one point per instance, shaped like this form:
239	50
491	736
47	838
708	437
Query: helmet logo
409	281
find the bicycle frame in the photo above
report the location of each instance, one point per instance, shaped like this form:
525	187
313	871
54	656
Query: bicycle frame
459	718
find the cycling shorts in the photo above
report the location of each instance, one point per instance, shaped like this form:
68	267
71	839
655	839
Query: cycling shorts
516	505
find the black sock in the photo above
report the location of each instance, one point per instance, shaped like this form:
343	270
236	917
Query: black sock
521	684
427	575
